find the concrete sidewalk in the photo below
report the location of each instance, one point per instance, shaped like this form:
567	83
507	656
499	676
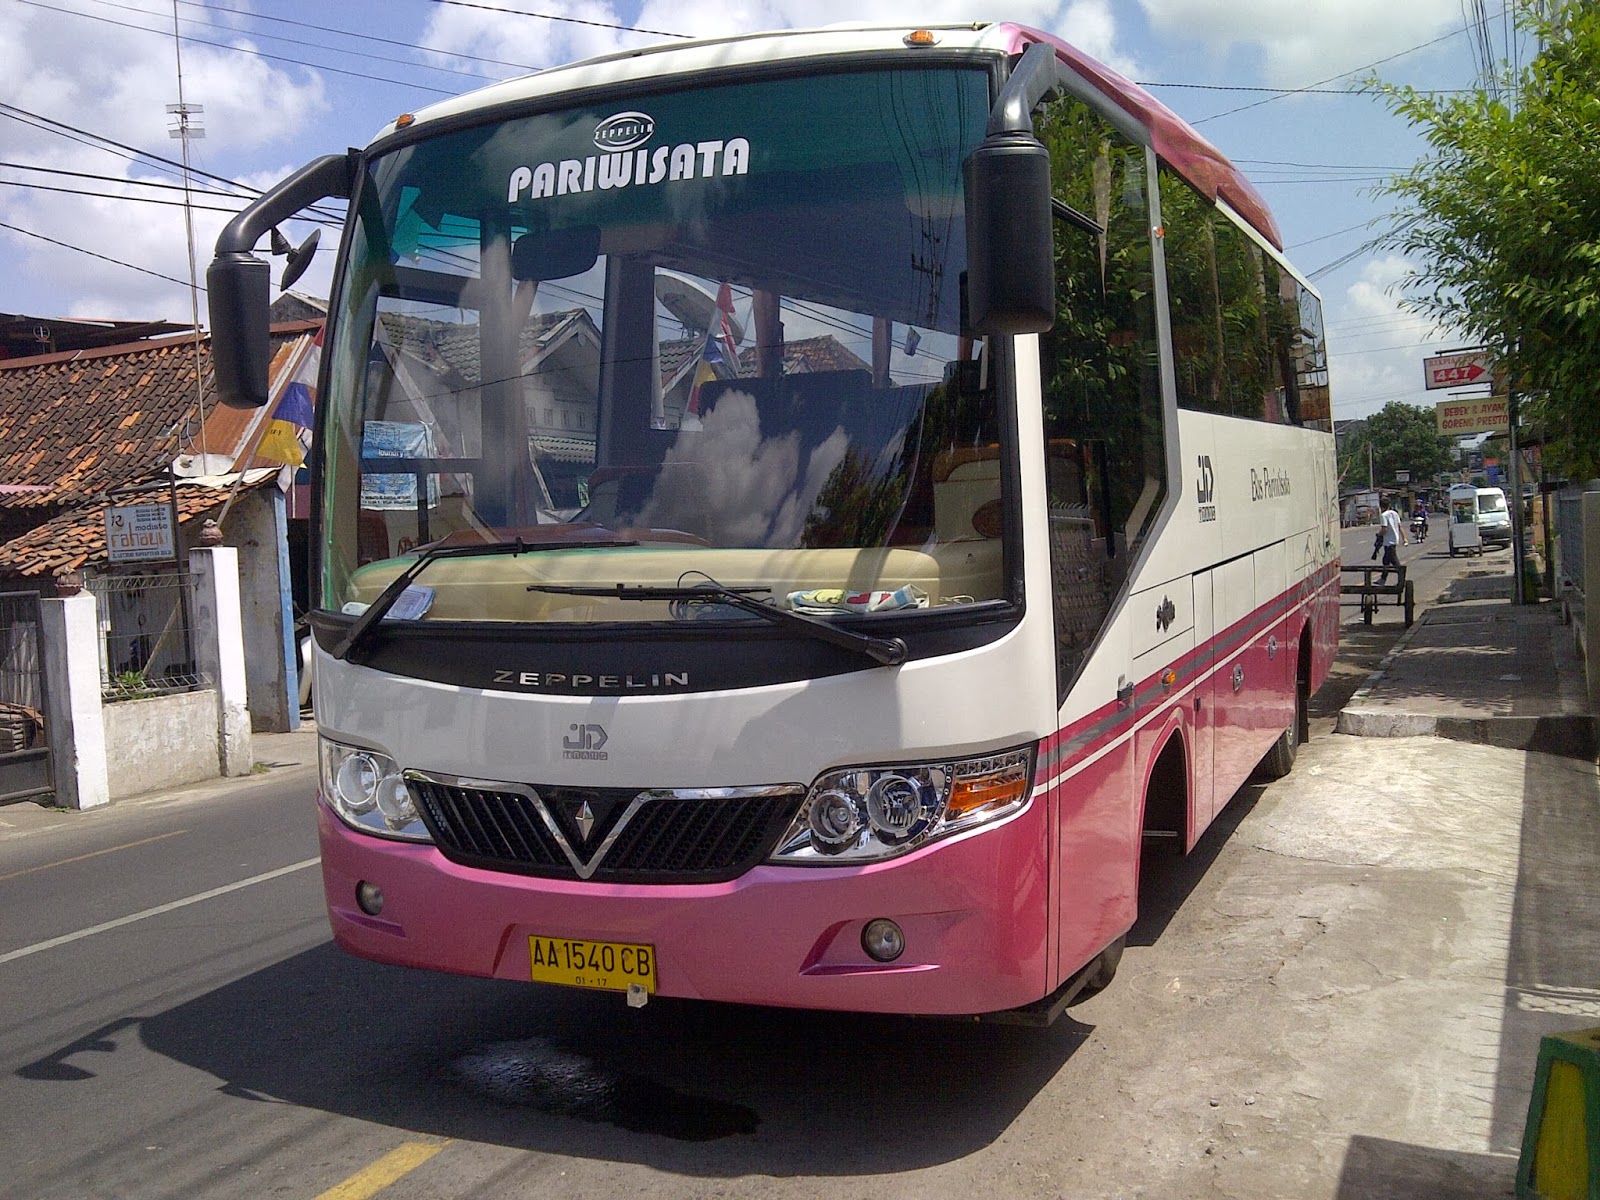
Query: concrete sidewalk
1477	668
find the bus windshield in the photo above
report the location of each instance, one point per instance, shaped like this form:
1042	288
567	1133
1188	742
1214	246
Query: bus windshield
709	336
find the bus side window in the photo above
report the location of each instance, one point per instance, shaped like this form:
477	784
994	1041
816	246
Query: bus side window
1103	424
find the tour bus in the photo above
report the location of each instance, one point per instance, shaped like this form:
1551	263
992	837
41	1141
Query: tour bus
793	516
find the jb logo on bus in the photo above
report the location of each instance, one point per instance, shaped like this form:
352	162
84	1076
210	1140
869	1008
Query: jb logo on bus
1205	490
586	744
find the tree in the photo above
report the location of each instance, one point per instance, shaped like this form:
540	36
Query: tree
1403	437
1503	219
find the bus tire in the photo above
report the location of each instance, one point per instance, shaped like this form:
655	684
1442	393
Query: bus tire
1279	761
1105	970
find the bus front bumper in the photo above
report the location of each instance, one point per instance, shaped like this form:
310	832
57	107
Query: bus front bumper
973	910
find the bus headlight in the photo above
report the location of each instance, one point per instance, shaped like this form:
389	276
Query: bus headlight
367	792
865	814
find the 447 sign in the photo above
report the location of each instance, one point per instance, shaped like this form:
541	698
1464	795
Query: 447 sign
1458	370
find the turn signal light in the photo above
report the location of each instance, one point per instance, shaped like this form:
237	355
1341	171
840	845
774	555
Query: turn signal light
970	795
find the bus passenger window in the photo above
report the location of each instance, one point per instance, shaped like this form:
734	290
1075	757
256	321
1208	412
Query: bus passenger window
1103	423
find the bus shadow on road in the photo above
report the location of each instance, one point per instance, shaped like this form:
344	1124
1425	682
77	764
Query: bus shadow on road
693	1088
1167	875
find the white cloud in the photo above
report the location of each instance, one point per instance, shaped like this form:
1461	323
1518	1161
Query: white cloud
1310	40
115	82
1375	347
1088	24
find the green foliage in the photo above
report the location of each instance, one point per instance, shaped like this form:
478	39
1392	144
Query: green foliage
1503	220
1403	437
129	685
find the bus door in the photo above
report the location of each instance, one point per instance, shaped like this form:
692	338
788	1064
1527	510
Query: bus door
1272	693
1234	753
1203	728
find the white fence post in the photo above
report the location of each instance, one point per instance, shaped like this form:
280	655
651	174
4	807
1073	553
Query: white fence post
219	650
73	724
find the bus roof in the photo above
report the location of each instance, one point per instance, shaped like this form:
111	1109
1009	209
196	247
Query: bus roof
1205	167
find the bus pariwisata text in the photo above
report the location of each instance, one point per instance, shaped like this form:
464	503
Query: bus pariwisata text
793	513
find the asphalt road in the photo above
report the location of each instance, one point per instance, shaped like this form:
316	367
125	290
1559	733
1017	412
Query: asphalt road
177	1024
1428	564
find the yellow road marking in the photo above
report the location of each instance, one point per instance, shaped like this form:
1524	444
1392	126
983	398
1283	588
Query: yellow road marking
92	854
371	1180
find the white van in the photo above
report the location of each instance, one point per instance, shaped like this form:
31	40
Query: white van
1478	517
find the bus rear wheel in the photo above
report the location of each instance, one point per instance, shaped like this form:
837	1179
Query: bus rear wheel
1279	761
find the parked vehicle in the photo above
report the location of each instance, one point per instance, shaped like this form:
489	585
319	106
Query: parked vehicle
1494	518
1478	518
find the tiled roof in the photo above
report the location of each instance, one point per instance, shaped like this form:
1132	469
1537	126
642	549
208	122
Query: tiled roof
825	353
74	425
454	345
74	539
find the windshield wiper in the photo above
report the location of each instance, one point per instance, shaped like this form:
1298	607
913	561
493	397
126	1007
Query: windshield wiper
891	652
375	612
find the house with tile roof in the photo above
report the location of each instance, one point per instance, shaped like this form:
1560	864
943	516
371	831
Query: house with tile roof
102	428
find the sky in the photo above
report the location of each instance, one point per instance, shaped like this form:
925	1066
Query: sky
1269	82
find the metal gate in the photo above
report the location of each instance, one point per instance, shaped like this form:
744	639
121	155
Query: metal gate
24	752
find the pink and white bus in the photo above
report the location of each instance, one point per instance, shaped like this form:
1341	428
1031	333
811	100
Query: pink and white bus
793	514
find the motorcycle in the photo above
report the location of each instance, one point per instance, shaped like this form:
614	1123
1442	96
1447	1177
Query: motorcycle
1419	528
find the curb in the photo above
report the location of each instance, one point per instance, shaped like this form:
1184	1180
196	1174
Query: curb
1376	724
1567	735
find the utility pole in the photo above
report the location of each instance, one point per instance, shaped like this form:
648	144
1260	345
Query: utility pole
1515	479
185	130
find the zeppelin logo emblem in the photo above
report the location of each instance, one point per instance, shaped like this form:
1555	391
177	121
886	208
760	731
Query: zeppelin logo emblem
624	131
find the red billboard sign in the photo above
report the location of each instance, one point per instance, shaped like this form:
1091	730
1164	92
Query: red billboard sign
1460	369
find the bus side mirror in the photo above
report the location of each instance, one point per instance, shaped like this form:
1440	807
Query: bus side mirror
1011	285
239	285
239	294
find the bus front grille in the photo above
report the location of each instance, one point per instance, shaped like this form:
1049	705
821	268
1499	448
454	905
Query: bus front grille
609	835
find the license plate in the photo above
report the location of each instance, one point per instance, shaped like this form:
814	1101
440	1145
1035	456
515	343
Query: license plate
575	962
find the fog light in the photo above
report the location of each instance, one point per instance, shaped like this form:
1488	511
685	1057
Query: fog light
370	897
882	940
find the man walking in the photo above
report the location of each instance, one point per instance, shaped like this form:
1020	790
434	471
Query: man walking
1394	536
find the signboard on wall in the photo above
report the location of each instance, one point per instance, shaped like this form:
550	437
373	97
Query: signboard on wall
1487	414
139	533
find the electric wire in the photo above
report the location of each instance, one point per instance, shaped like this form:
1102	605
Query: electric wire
1341	75
94	254
366	37
240	49
272	37
517	12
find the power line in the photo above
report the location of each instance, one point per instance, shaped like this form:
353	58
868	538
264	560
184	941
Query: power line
93	254
134	154
366	37
1274	162
1341	75
517	12
45	187
271	37
239	49
146	183
1336	233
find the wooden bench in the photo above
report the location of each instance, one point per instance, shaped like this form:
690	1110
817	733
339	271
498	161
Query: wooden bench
1402	589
